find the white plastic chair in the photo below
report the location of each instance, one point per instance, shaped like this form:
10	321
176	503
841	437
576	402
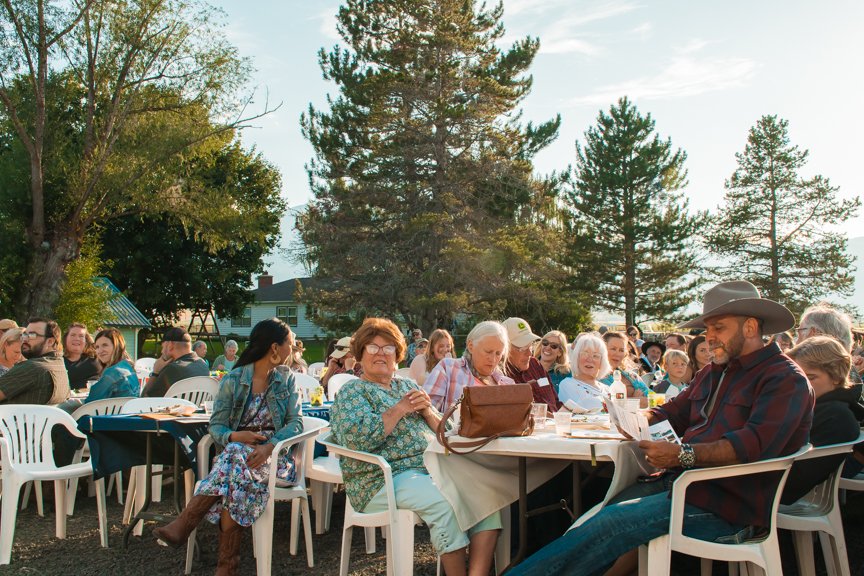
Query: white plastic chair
314	369
97	408
400	541
262	529
137	406
336	382
26	455
144	367
305	384
197	389
655	558
819	511
404	373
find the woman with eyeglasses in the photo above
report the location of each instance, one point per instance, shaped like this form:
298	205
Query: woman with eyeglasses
394	418
618	354
552	353
340	361
588	360
440	346
257	406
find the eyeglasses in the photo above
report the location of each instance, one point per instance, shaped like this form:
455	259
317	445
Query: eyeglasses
805	329
551	345
31	335
388	350
590	356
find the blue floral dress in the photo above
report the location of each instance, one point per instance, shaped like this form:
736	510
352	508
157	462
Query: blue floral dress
244	491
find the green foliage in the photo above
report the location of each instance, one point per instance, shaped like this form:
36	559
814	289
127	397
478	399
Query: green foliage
165	267
776	228
426	207
82	299
102	106
631	240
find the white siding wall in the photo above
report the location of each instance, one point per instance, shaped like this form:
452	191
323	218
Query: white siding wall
263	310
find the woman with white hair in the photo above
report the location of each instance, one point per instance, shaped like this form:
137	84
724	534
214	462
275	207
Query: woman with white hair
588	360
227	360
480	365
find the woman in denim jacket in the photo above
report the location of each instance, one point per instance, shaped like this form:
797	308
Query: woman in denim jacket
257	406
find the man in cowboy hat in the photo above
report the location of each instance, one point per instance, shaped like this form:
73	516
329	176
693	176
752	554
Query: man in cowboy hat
751	403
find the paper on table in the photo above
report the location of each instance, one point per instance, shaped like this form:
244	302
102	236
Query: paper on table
634	424
577	408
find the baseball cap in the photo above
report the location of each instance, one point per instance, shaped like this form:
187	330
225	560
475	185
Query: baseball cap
343	346
177	334
519	332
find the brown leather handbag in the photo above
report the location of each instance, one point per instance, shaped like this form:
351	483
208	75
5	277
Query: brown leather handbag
489	412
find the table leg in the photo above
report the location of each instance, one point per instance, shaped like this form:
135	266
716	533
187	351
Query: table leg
177	479
577	489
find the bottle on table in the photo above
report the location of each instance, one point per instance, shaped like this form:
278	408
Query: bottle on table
618	391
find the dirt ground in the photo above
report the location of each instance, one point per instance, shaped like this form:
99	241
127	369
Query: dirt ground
37	552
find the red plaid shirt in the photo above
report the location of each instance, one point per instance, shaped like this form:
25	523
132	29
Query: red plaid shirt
764	408
535	371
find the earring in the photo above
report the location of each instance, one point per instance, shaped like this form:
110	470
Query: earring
274	358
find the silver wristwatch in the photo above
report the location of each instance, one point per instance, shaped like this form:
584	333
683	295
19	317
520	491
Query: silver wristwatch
687	457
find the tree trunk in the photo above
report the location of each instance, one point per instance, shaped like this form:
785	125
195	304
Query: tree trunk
47	272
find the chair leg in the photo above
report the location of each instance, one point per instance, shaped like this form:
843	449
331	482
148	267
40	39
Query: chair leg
295	527
659	556
262	540
804	552
156	486
188	484
773	562
345	559
9	506
101	510
117	477
707	566
130	496
190	551
71	492
369	532
327	503
834	551
60	508
40	504
140	496
307	530
643	560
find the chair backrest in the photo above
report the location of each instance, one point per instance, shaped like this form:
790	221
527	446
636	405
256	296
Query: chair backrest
305	385
144	367
197	389
314	369
326	438
336	382
139	405
25	434
824	497
404	373
102	407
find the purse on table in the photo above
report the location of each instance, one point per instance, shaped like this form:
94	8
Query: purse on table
487	413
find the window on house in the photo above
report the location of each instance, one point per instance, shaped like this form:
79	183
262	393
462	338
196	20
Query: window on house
243	321
287	314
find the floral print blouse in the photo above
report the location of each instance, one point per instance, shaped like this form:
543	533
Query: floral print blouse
356	420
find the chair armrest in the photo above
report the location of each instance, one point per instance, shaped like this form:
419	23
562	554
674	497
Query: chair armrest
688	477
203	456
831	449
282	445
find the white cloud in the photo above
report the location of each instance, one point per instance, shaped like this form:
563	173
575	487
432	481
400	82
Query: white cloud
327	24
685	76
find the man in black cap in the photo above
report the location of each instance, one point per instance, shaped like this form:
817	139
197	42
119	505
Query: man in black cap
176	363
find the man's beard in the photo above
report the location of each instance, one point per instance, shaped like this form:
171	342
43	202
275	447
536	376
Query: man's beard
33	351
732	349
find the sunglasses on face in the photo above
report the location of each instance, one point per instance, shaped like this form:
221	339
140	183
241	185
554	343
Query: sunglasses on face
551	345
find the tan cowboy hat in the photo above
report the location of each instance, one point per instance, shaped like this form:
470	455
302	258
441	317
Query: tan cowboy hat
741	298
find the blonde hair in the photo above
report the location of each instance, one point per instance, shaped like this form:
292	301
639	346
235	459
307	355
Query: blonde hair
434	338
825	353
10	337
627	363
562	363
680	354
593	342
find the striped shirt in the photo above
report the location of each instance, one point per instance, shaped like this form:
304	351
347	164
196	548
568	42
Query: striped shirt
764	408
446	381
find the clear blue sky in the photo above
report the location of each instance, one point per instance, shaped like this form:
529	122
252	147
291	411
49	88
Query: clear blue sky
705	71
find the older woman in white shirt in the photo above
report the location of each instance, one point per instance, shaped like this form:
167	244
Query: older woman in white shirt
588	360
440	347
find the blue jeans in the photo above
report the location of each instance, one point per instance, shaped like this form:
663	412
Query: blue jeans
636	516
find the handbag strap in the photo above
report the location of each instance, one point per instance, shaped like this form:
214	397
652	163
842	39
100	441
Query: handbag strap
475	445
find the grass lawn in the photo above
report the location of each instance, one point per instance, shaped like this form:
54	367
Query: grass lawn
314	349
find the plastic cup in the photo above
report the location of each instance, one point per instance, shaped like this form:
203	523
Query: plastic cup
208	406
563	423
538	411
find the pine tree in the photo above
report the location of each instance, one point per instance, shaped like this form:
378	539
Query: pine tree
632	234
775	227
425	200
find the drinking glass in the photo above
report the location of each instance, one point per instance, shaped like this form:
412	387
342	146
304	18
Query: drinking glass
538	411
563	423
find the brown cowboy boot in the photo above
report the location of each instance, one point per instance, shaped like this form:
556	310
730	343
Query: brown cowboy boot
229	550
177	532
